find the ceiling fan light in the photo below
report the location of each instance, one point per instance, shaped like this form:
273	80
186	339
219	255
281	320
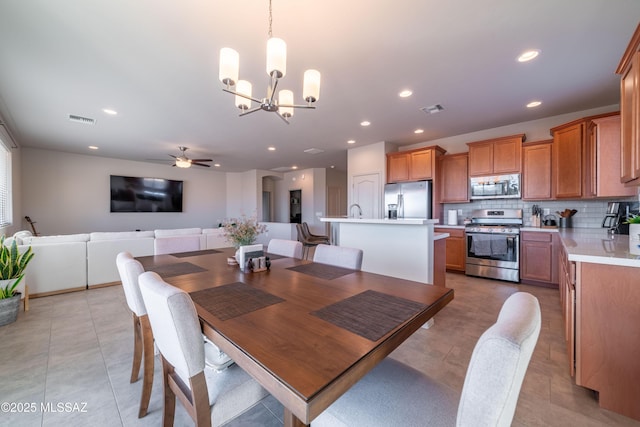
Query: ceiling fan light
183	163
243	87
229	66
285	97
276	57
311	91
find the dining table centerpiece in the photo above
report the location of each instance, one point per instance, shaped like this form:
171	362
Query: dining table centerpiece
242	231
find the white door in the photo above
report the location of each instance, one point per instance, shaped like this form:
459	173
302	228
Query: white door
366	193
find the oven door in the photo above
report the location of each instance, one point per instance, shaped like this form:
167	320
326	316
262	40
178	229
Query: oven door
494	255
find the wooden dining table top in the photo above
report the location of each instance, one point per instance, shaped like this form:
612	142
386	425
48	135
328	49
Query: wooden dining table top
306	336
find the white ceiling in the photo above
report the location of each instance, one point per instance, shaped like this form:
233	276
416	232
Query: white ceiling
156	63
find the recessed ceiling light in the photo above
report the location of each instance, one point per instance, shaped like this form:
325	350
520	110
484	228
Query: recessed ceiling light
418	131
294	167
93	147
351	141
109	111
216	165
533	104
528	55
271	148
405	93
365	123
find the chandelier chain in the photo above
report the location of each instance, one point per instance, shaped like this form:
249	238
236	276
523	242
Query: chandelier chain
270	19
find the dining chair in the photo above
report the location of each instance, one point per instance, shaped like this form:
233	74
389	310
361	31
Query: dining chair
129	270
288	248
339	256
309	234
210	398
307	241
396	394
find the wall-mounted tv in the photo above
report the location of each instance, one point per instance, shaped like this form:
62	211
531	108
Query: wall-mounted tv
133	194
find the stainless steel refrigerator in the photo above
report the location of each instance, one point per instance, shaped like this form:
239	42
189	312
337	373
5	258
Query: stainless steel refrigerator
412	199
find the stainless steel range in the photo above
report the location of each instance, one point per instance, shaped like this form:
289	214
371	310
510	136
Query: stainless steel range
493	244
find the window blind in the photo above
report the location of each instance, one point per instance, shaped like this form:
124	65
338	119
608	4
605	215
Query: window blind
6	208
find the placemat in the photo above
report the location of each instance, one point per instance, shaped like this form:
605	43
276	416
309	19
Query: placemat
232	300
195	253
177	269
369	314
274	256
322	271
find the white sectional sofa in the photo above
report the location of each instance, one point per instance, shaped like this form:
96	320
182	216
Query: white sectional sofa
76	261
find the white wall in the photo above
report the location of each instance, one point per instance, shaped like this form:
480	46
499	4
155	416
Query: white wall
535	130
313	183
69	193
370	159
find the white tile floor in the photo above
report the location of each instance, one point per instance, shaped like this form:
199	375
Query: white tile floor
76	349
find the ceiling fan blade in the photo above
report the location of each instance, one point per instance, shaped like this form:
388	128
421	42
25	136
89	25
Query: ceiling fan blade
200	164
202	160
171	155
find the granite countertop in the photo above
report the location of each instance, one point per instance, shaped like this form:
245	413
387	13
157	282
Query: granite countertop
597	246
383	221
460	227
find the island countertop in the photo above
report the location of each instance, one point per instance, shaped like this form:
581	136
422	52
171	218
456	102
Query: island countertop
385	221
597	246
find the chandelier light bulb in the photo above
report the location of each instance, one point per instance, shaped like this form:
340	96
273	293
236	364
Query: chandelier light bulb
285	97
276	57
229	66
311	91
243	88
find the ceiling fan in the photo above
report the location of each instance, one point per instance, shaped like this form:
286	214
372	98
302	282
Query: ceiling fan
182	161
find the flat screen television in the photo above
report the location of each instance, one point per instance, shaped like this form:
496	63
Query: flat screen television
133	194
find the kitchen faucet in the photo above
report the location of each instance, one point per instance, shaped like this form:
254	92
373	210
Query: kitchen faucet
359	210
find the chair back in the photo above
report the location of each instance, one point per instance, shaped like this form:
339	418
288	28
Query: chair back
338	256
175	325
289	248
129	269
301	235
499	363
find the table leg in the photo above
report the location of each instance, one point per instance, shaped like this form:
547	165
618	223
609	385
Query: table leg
291	420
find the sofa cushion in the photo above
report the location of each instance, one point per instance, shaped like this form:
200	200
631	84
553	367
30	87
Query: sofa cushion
66	238
120	235
177	232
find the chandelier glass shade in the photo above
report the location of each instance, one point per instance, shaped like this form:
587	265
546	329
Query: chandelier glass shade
284	106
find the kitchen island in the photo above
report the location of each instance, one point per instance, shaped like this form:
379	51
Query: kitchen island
403	248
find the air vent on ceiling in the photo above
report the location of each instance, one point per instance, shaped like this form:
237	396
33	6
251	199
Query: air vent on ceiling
80	119
432	109
313	151
282	169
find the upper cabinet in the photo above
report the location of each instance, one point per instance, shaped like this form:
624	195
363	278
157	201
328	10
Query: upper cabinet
536	170
586	158
413	165
495	156
629	69
454	178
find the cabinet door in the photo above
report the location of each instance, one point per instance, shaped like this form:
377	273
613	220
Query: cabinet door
567	161
397	167
537	256
481	159
605	168
456	250
506	156
421	166
630	112
454	180
536	170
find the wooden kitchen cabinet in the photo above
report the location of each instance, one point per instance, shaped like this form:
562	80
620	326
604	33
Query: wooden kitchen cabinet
536	170
413	165
629	70
456	249
454	178
495	156
567	160
539	258
567	280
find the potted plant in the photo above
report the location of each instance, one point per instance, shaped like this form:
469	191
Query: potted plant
12	266
242	231
634	226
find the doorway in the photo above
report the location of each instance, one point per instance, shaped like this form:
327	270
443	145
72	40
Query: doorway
295	206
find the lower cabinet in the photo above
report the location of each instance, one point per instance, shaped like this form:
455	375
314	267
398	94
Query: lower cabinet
539	258
568	304
456	249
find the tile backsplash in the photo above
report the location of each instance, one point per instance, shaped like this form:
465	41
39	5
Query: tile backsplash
590	212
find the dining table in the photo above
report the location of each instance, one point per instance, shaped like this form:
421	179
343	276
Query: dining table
305	331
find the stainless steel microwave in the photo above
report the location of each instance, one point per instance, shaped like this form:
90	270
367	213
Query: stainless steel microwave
495	187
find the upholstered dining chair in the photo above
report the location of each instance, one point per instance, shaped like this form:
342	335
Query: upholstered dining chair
310	235
339	256
129	270
210	398
307	241
289	248
396	394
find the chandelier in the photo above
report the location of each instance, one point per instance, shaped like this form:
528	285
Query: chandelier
276	69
